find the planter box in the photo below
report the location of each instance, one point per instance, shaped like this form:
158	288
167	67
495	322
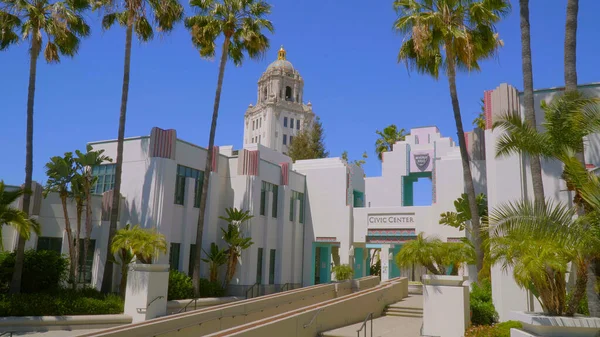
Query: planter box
416	289
71	323
445	306
146	294
535	324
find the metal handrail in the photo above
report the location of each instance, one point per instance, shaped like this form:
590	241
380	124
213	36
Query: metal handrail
195	300
252	289
156	298
313	318
364	325
285	287
7	333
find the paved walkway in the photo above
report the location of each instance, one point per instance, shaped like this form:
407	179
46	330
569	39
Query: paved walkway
387	326
56	333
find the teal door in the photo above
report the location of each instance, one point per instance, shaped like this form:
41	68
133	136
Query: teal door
394	270
359	264
324	265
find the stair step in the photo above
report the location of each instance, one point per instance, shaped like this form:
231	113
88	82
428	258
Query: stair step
402	314
408	310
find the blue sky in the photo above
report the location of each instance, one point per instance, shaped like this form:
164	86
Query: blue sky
346	52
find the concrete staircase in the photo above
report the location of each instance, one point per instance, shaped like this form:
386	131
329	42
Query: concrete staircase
401	310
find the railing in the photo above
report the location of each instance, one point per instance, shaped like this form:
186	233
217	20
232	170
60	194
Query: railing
364	325
251	290
195	301
7	334
313	318
285	287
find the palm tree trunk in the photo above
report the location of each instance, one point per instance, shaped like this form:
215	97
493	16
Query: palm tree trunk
579	291
528	103
71	243
15	285
123	284
116	198
571	46
88	218
77	242
208	169
466	166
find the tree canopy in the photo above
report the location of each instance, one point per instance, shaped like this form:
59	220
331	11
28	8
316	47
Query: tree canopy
309	143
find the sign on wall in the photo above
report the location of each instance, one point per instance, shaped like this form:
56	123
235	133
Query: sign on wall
391	219
421	161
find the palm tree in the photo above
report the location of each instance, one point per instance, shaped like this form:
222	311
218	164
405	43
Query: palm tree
446	35
15	217
571	46
133	16
60	172
241	23
215	259
63	25
535	164
79	197
479	121
132	243
538	241
235	239
387	139
85	162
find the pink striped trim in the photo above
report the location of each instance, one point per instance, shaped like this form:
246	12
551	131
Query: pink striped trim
162	143
487	103
248	162
285	173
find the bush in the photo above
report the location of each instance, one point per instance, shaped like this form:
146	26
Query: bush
483	311
180	286
43	271
211	289
61	302
343	272
498	330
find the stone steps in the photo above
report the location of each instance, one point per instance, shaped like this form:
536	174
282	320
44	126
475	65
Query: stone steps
400	310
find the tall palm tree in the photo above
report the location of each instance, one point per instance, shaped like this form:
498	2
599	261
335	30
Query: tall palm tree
135	242
535	164
134	16
235	240
387	138
241	23
85	162
79	197
446	35
60	172
15	217
63	25
571	46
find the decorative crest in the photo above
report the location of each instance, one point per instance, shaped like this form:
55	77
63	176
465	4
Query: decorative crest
281	53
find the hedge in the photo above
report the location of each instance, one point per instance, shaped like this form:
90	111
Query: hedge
43	270
182	288
61	302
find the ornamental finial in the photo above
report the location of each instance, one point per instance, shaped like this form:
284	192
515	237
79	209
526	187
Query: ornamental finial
281	53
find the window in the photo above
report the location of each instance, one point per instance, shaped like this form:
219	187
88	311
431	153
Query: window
106	178
284	139
264	94
297	98
260	122
259	263
264	195
174	256
291	138
272	267
291	123
288	93
85	269
252	139
297	196
184	172
359	199
191	263
49	243
253	125
297	124
285	122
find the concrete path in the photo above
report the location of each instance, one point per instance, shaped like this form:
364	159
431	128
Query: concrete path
388	326
57	333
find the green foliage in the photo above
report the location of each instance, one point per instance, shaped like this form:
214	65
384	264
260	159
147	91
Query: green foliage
145	244
61	302
234	238
343	272
14	217
375	269
387	138
358	163
459	218
42	271
483	311
309	143
211	289
480	121
215	259
497	330
180	286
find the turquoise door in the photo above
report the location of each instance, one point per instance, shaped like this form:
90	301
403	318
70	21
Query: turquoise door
324	265
394	270
359	265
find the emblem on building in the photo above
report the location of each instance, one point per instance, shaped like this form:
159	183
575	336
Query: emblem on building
422	161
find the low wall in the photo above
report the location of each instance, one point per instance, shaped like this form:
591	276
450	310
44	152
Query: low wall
47	323
332	314
174	307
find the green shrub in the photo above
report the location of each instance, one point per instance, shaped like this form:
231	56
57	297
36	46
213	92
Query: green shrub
43	270
483	311
343	272
180	286
61	302
211	289
498	330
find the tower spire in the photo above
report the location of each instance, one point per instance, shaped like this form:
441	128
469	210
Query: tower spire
281	53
